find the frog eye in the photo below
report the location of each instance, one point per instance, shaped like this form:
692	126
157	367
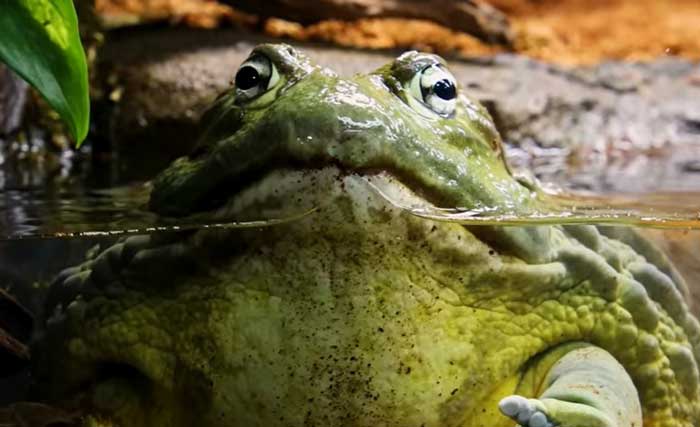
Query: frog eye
436	88
254	77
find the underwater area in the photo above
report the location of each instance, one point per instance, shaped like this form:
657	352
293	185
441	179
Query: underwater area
349	216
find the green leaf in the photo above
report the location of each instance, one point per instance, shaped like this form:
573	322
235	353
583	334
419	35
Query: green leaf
39	39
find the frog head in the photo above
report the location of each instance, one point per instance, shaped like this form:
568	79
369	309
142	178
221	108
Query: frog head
408	119
401	321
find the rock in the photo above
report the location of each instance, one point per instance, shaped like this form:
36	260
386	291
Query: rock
619	126
692	166
475	17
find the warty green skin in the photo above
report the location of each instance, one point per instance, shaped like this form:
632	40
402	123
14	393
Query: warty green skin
361	314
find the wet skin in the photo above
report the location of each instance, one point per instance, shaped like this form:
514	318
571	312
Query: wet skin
358	313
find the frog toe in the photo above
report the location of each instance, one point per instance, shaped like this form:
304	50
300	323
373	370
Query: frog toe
526	412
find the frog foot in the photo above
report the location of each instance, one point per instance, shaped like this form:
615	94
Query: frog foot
552	413
526	412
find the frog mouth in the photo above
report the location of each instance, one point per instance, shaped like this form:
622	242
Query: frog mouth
284	195
264	197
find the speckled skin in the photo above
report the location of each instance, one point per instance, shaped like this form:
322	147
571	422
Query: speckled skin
361	314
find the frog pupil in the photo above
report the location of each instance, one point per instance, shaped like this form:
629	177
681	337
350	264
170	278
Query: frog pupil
445	89
247	77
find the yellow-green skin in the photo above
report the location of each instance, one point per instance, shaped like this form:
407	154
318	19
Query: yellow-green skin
361	314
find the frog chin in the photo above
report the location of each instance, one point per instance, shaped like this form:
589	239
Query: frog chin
286	194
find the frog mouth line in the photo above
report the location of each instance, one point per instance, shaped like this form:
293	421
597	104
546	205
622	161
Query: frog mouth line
220	194
409	195
284	194
400	192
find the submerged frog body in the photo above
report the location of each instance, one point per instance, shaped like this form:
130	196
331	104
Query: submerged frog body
351	311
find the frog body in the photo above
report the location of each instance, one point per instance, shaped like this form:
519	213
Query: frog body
352	311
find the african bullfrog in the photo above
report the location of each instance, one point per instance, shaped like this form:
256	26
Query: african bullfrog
336	306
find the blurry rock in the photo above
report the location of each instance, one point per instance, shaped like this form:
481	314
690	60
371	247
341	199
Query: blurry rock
475	17
692	166
613	127
382	34
195	13
645	104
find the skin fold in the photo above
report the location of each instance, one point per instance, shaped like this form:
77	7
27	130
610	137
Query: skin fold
355	312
